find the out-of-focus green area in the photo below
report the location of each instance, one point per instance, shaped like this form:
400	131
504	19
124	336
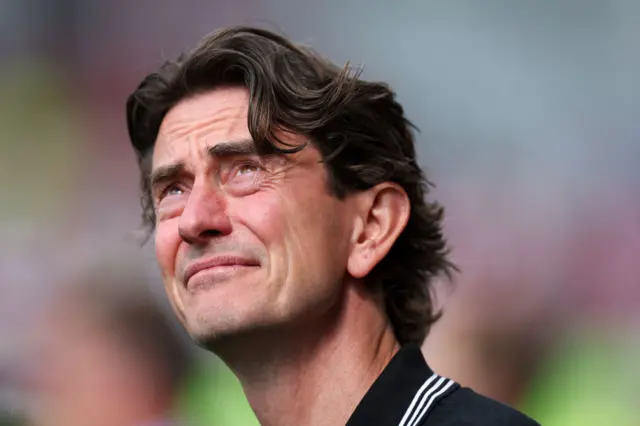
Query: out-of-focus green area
42	145
589	380
214	396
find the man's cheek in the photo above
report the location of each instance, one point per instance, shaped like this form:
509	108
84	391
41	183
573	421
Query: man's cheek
173	294
166	247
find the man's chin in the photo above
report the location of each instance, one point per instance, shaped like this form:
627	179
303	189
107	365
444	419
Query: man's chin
207	336
220	342
229	337
208	342
212	335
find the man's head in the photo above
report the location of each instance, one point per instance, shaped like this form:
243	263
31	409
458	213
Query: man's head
274	180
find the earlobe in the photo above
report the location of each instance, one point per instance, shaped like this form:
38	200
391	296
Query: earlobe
384	213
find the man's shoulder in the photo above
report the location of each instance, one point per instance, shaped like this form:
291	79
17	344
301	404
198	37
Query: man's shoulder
409	393
464	407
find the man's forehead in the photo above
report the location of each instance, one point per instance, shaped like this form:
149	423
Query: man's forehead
202	121
222	109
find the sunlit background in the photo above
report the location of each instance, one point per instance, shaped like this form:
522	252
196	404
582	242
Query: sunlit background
529	116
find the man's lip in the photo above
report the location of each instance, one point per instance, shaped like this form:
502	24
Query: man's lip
212	262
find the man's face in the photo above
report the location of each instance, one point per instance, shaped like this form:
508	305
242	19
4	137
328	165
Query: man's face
243	241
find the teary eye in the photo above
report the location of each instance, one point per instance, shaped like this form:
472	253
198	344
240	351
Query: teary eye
173	190
247	168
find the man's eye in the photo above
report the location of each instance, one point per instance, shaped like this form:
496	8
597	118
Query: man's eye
247	169
172	190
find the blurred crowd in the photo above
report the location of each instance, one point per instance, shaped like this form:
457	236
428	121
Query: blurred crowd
528	118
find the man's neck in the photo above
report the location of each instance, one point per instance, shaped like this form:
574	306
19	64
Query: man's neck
318	376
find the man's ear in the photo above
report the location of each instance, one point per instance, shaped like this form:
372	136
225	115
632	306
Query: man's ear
383	214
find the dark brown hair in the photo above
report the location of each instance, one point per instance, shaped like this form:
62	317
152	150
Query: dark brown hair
358	126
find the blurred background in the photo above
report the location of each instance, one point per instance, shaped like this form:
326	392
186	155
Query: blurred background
528	113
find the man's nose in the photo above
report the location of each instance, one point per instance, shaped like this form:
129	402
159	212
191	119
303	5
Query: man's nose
204	217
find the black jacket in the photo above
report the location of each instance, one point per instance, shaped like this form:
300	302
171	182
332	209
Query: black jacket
408	393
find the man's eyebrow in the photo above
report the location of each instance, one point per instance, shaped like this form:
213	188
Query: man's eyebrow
165	173
233	148
219	150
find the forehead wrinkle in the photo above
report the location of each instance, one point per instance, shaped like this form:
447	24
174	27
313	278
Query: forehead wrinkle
184	118
190	127
199	122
